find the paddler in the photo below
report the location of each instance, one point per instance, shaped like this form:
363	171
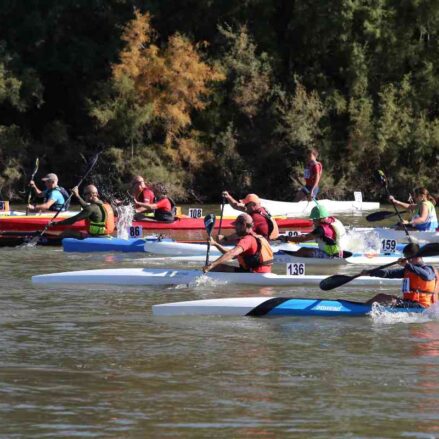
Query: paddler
312	174
141	192
264	224
252	250
163	206
424	211
420	281
54	196
98	215
327	232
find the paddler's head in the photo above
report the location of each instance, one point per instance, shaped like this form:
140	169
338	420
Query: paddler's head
50	180
243	224
138	184
251	202
91	193
410	251
318	214
312	154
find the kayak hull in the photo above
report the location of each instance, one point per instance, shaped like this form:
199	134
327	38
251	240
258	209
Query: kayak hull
272	307
165	276
399	235
35	223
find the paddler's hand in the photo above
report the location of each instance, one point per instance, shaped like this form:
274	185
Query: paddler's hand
31	206
207	268
75	191
51	223
309	196
32	184
391	198
402	262
226	195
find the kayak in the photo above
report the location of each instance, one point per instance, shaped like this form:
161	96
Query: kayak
166	276
35	223
282	257
303	208
108	244
385	233
274	306
14	240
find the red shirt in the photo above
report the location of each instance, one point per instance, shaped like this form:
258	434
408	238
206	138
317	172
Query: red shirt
146	196
260	224
164	204
250	246
312	169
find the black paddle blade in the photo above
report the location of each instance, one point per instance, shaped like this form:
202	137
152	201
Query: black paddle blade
380	177
431	249
337	280
209	223
383	214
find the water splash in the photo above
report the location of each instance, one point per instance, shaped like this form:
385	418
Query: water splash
381	316
125	215
362	242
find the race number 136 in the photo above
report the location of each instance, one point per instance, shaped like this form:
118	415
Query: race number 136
295	269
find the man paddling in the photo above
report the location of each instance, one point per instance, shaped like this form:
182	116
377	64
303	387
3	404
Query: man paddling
264	224
163	207
420	281
53	196
328	232
312	174
253	251
142	193
98	216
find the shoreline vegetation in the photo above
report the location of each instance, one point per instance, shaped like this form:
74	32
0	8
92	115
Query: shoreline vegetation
220	95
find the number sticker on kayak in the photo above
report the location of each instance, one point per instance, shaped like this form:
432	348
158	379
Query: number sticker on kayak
292	233
295	269
195	212
135	231
388	245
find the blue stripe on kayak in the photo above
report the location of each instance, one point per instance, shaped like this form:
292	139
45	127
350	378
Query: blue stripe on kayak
283	306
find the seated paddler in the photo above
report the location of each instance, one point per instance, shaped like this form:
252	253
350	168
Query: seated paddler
98	216
328	232
420	285
54	197
253	251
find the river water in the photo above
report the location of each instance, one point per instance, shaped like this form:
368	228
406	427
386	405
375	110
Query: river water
94	362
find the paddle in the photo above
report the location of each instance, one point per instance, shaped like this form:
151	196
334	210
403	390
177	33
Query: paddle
209	224
29	195
382	179
381	215
222	214
337	280
90	168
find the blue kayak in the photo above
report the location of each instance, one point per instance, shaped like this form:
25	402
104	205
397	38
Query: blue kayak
105	244
276	306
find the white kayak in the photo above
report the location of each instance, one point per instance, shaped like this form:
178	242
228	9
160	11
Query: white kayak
282	257
398	235
303	208
174	248
166	276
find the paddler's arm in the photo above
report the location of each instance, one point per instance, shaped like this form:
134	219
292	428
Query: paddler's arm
84	214
75	192
394	273
234	203
316	183
216	244
423	215
228	256
409	206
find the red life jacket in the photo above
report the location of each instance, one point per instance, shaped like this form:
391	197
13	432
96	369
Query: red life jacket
273	229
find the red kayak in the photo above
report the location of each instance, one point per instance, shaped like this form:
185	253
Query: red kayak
35	223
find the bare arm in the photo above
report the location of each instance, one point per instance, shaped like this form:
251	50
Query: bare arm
228	256
234	203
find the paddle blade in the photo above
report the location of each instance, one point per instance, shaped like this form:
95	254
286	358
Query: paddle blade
209	223
379	216
337	280
431	249
380	177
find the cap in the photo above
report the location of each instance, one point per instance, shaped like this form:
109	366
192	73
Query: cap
51	177
251	198
243	219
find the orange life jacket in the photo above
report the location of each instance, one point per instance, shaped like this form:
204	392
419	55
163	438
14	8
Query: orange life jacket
419	290
262	257
104	227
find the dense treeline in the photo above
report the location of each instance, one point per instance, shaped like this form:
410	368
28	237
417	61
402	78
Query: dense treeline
221	94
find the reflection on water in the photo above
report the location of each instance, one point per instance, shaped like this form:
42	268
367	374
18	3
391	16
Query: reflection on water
93	362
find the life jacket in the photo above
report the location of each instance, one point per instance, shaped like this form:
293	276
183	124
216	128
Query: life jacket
308	175
57	206
331	242
165	215
104	227
273	229
431	222
262	257
416	289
